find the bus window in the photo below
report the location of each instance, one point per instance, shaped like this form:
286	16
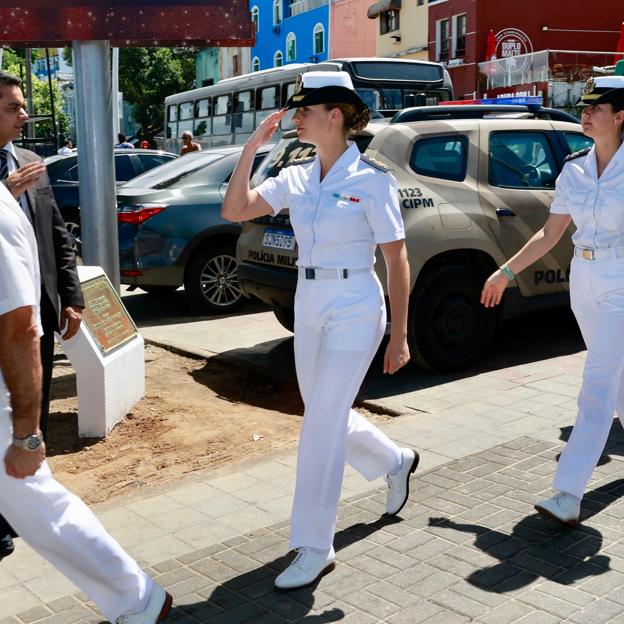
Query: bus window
185	118
202	118
172	113
172	121
243	112
221	118
267	102
186	110
287	91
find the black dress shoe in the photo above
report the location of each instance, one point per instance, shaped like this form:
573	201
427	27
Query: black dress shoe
6	546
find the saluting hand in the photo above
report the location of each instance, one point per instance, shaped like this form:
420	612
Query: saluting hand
397	355
22	179
266	129
494	288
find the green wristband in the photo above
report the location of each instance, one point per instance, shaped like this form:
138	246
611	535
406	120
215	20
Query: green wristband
508	272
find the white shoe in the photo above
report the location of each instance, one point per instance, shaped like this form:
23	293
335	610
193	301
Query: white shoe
156	610
398	484
308	566
562	507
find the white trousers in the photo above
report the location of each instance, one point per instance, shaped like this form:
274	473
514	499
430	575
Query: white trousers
597	297
63	530
339	325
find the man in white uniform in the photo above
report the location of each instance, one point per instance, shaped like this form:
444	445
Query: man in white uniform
57	524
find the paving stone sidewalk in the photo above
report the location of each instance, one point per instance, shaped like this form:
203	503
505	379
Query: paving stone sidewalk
467	548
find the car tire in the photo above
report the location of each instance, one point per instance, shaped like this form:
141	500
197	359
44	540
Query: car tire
211	281
448	328
72	223
158	290
286	317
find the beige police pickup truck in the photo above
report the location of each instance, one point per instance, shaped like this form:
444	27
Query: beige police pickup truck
473	188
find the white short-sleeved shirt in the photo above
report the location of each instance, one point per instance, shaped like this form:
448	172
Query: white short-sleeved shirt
19	267
337	222
596	205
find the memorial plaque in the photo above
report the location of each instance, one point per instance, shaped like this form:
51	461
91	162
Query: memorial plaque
105	315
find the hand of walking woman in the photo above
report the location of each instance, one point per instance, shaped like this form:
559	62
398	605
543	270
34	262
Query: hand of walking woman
397	355
494	288
266	129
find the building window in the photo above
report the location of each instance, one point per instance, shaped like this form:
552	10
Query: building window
319	39
255	64
459	35
388	21
291	47
420	2
236	65
278	59
255	17
277	12
442	39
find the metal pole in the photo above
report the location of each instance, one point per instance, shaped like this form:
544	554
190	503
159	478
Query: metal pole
30	127
94	110
116	114
52	111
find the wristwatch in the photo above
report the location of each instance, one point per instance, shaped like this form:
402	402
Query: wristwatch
30	443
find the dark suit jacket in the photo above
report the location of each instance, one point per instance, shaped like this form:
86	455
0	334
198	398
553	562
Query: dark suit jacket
57	260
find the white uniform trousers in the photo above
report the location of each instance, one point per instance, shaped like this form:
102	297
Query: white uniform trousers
597	297
339	325
63	530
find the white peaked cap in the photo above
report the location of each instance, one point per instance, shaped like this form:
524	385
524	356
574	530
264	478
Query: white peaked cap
318	79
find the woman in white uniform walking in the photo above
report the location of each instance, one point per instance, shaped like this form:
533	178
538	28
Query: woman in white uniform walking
590	192
341	206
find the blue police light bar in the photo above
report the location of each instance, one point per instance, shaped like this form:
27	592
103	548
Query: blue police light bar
530	100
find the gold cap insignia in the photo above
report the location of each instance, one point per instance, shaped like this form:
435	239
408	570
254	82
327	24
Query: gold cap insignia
298	84
589	87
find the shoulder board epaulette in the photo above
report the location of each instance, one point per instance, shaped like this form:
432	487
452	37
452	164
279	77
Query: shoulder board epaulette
301	161
578	154
374	163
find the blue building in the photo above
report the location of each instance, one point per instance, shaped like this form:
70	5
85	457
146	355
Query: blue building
289	31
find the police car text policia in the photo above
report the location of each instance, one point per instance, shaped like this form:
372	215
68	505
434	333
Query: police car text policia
341	206
590	192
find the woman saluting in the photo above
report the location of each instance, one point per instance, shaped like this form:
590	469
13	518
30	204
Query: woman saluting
590	192
341	207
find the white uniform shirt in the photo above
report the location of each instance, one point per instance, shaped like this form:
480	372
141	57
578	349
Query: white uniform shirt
19	268
596	205
337	222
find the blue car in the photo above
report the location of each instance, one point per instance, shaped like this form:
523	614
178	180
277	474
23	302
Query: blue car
171	232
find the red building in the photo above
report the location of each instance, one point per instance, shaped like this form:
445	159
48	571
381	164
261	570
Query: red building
458	34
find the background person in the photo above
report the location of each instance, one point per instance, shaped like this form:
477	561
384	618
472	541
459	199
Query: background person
188	144
122	142
24	174
341	207
66	149
589	191
55	523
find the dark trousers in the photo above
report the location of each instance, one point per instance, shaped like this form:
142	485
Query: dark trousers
50	325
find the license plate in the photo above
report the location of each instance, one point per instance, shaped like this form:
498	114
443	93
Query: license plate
279	239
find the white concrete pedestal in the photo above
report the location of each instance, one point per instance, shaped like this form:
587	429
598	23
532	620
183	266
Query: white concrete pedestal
108	384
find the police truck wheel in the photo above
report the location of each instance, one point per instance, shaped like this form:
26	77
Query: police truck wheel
448	328
211	281
286	317
72	223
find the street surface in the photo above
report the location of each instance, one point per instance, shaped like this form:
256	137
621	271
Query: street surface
469	546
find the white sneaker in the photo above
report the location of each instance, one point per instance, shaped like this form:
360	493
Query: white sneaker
398	484
156	611
562	507
308	566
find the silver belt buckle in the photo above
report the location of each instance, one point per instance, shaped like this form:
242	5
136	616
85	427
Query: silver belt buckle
588	254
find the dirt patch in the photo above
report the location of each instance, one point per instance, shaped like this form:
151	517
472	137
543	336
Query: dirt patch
196	415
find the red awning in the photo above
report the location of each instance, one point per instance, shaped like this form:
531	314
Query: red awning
383	5
620	46
157	23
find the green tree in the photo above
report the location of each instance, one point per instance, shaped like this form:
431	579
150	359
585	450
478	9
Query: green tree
148	75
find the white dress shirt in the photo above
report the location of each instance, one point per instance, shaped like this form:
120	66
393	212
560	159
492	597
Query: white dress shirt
337	222
14	166
596	205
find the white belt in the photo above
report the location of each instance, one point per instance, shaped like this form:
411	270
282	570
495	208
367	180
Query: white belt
595	254
315	273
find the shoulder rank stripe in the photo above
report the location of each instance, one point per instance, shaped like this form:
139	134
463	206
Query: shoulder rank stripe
578	154
374	163
301	161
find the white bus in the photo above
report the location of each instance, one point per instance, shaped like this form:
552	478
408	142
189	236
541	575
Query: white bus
227	112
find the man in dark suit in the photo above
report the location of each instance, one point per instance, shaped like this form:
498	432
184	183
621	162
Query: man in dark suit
24	174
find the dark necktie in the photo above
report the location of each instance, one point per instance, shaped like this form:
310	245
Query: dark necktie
4	164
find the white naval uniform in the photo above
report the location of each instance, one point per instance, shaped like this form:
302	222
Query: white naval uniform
54	522
339	324
596	206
